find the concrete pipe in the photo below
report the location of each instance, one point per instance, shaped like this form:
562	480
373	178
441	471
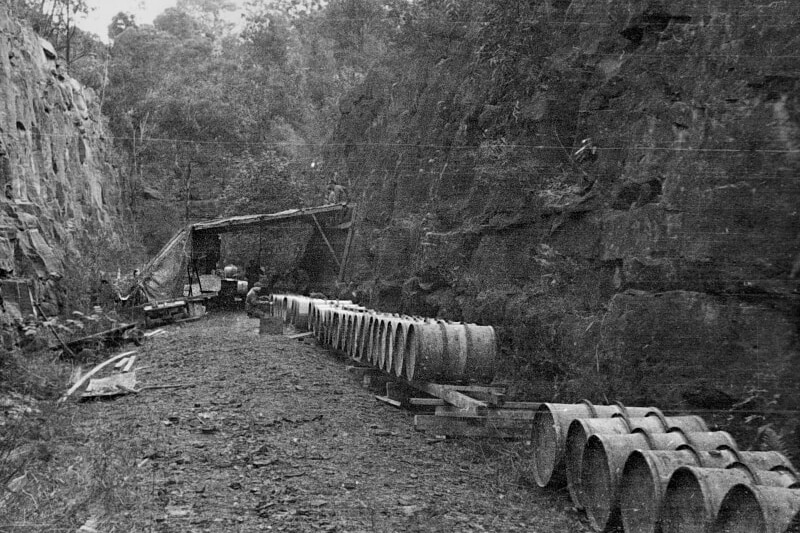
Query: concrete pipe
424	355
481	362
551	424
455	353
604	458
358	325
581	429
280	305
362	351
386	344
694	495
400	346
645	477
376	340
345	328
340	340
778	476
326	324
333	330
758	509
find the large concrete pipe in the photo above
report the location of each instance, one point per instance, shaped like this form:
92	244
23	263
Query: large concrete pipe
647	472
363	346
376	341
424	355
358	324
280	305
551	424
693	497
605	456
454	355
400	345
481	353
582	428
758	509
386	344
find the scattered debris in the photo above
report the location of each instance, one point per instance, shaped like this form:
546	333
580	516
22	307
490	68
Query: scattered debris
92	372
129	364
115	385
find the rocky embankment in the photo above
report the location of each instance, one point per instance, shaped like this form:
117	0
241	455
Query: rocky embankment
59	194
662	266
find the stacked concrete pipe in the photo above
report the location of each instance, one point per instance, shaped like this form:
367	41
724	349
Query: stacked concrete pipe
633	464
604	458
759	509
647	473
551	425
694	495
582	428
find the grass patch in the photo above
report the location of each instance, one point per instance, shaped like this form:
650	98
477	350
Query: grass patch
57	471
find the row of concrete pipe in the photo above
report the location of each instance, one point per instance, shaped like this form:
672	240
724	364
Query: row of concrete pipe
636	468
407	347
625	466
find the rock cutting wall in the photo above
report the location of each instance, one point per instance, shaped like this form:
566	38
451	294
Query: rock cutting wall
662	269
57	187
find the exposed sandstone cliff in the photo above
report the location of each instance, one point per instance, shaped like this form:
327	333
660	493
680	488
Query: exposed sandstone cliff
58	191
664	269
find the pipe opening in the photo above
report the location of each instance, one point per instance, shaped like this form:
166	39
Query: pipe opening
684	508
545	441
596	484
639	498
740	512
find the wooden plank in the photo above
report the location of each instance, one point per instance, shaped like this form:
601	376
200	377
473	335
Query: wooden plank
390	401
129	364
436	402
348	243
453	397
327	242
113	332
499	414
242	222
92	372
111	386
300	335
465	427
361	371
488	389
427	402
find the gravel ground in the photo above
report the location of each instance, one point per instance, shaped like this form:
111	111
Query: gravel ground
272	434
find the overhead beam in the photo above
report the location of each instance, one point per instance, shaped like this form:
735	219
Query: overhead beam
240	223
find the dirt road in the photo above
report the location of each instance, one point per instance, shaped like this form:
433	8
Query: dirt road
271	434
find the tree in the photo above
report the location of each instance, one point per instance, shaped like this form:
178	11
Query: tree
119	23
53	20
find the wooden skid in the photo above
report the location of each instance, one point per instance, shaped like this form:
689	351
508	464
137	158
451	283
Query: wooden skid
453	397
491	414
436	402
472	427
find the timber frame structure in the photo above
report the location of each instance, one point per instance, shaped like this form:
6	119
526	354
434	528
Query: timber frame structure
164	276
326	219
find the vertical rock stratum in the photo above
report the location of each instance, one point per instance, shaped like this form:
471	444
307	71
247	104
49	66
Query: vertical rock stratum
58	189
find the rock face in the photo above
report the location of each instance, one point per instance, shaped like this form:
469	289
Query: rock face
663	265
57	188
